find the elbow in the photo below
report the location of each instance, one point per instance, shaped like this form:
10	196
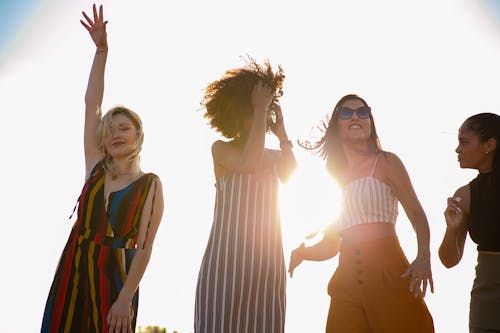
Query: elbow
447	260
287	172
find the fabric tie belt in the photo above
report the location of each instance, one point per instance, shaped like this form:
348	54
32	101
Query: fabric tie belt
102	239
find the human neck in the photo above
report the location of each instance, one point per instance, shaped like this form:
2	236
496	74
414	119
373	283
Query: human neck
355	153
124	167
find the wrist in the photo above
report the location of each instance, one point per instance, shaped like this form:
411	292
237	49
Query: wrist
425	255
102	49
286	143
124	297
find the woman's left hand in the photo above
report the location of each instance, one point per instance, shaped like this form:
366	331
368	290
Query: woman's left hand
120	317
420	275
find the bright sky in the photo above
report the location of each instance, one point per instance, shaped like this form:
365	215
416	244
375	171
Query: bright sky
423	66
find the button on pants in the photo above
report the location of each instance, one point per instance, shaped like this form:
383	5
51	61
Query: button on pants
368	294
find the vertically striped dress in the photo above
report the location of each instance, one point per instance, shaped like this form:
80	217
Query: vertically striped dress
97	257
241	283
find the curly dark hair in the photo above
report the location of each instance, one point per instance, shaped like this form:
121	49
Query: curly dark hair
227	101
329	147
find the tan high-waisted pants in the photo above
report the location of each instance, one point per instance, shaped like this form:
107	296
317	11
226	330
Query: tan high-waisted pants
368	294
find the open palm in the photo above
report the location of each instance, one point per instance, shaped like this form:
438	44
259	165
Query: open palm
96	27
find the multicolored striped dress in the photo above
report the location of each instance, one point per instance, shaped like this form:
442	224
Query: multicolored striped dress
241	283
97	256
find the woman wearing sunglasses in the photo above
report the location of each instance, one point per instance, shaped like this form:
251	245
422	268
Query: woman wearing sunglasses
374	288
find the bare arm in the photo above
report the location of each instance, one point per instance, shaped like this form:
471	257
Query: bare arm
326	248
456	214
420	268
249	158
119	312
95	86
287	162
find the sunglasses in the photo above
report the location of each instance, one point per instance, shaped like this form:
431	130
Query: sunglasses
363	112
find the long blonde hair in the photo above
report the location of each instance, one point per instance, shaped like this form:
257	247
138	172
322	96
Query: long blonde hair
104	128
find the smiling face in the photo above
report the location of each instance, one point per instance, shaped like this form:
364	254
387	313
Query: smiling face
354	128
121	136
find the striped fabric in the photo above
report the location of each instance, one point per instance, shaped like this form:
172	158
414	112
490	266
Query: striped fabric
97	257
241	283
368	200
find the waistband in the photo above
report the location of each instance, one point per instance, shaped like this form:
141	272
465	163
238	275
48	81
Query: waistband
102	239
373	248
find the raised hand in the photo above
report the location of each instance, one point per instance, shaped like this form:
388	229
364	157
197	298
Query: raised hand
261	97
453	214
96	27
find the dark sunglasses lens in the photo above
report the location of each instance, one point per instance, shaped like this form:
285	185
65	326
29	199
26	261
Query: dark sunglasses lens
363	112
345	113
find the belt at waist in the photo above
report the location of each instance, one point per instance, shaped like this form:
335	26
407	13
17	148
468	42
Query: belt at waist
102	239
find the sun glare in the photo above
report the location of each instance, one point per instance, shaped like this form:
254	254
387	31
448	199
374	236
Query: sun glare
309	202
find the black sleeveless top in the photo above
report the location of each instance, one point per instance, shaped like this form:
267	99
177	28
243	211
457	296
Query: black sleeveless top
484	218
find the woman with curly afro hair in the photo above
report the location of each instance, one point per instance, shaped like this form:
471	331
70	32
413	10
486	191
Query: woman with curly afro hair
241	283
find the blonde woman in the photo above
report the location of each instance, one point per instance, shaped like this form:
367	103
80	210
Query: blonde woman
95	288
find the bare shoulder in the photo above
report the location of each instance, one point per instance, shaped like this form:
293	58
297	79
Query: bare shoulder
462	195
390	165
391	159
221	148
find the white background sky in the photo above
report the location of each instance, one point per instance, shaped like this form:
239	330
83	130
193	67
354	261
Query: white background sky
423	67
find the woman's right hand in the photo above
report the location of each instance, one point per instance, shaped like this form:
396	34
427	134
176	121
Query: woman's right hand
453	213
261	98
296	258
96	27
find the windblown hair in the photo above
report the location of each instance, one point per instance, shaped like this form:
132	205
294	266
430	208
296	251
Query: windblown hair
486	126
329	147
107	122
227	101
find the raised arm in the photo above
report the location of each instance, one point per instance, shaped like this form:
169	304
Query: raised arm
420	268
250	157
95	86
456	215
119	314
286	163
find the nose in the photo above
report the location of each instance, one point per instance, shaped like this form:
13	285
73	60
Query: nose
457	150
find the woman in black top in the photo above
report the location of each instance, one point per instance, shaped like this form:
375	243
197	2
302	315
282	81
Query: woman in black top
475	208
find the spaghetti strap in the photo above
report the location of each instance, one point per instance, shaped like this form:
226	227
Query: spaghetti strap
375	164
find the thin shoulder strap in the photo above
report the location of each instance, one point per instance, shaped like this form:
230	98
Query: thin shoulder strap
375	164
151	214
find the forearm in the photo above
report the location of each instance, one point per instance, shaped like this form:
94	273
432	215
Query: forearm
135	273
323	250
423	235
254	145
450	252
95	86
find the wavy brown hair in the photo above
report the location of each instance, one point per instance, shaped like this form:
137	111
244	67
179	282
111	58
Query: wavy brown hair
227	101
329	147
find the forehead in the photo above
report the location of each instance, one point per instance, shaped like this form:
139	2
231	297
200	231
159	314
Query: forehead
353	103
465	133
120	118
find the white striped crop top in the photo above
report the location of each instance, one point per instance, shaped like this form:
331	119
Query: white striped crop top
367	200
